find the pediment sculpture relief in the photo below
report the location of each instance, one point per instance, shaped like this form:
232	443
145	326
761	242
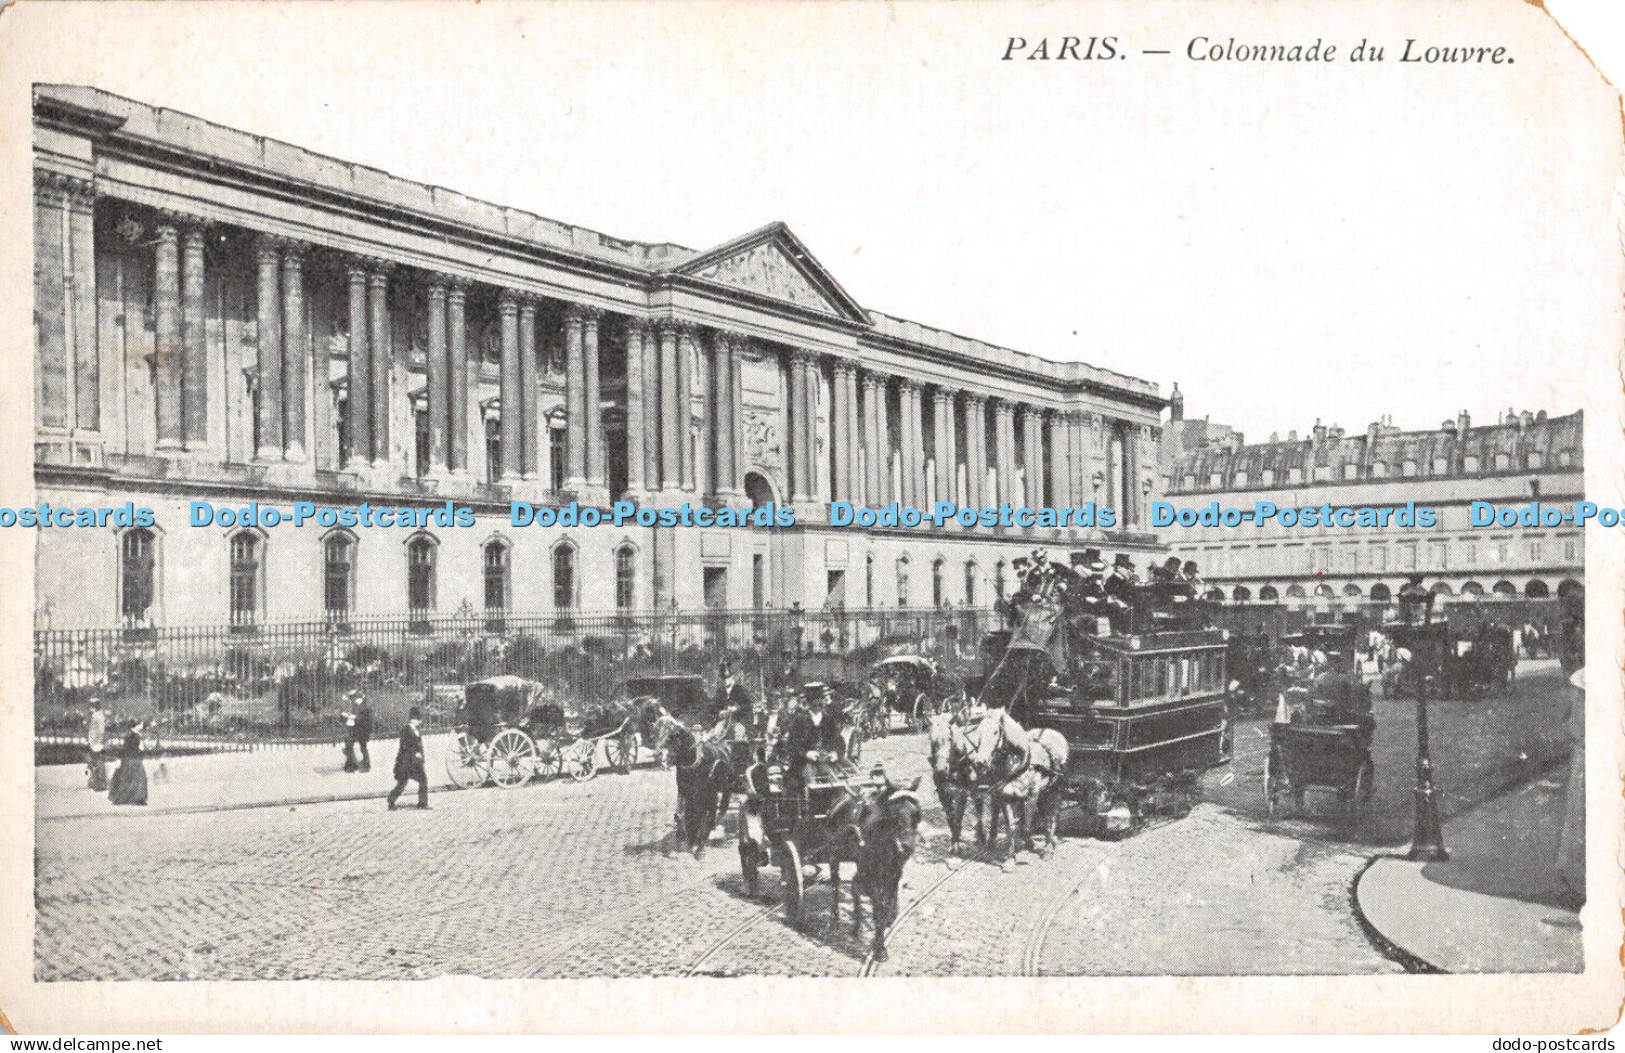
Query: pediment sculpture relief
766	270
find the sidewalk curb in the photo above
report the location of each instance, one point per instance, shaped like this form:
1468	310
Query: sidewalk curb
241	806
1406	960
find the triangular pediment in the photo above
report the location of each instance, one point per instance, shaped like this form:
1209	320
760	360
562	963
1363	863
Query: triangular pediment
773	263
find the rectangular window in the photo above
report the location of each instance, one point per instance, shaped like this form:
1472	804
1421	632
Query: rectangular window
1570	550
496	577
1407	555
716	587
1469	553
555	458
564	577
1537	551
1379	558
626	578
1351	559
420	441
1436	555
336	576
1322	559
758	581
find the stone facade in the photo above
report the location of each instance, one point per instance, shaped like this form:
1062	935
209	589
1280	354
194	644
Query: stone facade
225	317
1520	458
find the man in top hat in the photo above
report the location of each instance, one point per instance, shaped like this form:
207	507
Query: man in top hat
733	704
1169	571
814	739
1188	574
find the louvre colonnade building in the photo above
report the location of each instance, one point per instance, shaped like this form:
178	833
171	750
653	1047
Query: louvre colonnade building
222	317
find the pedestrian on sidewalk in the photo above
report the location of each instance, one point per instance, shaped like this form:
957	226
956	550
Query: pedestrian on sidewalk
409	760
363	731
348	716
129	784
96	745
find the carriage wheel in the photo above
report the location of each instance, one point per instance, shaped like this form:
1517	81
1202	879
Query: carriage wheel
513	758
1270	784
790	871
582	761
464	765
623	752
1358	799
548	762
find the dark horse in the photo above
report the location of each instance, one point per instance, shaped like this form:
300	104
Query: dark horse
704	780
888	830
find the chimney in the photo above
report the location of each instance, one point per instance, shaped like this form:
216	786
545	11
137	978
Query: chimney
1176	404
1292	436
1335	434
1463	422
1525	419
1540	417
1320	432
1275	436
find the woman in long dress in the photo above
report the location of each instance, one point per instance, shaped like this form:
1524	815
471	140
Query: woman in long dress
130	780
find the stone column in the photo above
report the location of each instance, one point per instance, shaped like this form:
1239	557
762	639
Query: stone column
456	377
359	380
736	415
592	405
636	438
528	395
843	452
854	439
194	350
913	455
1060	489
1032	465
81	347
800	456
976	494
873	436
653	416
575	399
722	416
1083	467
943	448
436	367
685	404
294	349
1005	447
513	400
166	311
378	369
671	463
815	484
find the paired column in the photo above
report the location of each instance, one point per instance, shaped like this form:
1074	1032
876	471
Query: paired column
166	312
724	416
457	377
294	345
652	408
976	493
913	442
592	416
268	402
671	465
1032	459
380	345
359	380
942	420
513	401
575	399
801	430
1083	468
876	440
194	364
843	431
1060	478
1004	423
527	389
686	351
439	377
636	438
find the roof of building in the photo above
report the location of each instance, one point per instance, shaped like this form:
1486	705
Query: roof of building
209	145
1327	453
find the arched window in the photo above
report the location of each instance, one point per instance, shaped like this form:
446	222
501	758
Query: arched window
626	562
1241	594
420	574
338	574
1381	593
970	583
564	576
1505	588
1268	594
1324	589
1294	592
496	576
902	581
246	567
1472	588
138	561
938	589
1536	589
1351	590
1568	587
1215	593
1441	589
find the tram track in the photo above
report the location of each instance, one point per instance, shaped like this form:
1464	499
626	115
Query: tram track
695	968
871	965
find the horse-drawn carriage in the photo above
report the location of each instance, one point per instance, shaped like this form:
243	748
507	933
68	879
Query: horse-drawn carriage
907	684
781	828
507	735
1321	739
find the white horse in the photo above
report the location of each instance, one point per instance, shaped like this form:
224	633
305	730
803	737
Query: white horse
1026	768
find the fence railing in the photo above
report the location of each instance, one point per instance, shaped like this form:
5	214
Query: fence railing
286	682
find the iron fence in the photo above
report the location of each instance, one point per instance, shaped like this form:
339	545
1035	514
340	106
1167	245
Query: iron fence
253	685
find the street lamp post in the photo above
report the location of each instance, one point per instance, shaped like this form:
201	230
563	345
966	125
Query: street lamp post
1427	839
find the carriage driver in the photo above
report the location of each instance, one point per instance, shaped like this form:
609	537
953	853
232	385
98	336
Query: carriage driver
736	710
814	741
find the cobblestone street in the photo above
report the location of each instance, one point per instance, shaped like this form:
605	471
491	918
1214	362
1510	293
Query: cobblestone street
568	879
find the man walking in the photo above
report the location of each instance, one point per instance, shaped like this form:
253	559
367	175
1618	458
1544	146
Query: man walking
409	761
363	731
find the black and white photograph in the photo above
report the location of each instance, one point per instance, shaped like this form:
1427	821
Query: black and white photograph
748	492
